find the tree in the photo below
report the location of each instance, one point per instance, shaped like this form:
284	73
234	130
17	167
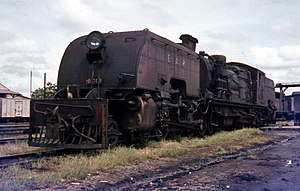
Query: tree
40	93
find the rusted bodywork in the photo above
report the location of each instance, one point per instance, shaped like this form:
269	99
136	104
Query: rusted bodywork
134	60
137	85
242	95
69	123
262	89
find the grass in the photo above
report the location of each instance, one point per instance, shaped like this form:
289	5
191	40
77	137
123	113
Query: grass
16	148
220	150
61	169
227	141
161	149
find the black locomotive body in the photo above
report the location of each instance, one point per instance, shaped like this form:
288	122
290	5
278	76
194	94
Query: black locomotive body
124	86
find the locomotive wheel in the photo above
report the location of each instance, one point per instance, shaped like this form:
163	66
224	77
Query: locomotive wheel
201	131
255	121
159	134
144	137
207	125
190	133
176	135
113	133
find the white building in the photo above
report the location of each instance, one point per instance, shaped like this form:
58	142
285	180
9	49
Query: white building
13	105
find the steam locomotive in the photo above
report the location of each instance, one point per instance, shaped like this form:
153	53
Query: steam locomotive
137	85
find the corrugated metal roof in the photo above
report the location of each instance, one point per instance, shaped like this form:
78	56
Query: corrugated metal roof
5	90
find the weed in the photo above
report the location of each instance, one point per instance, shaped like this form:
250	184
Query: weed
16	148
220	150
67	168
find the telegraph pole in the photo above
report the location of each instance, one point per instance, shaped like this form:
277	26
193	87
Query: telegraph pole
30	84
44	85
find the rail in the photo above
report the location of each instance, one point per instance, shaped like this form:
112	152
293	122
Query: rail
12	133
26	158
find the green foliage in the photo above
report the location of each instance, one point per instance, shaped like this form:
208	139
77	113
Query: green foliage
40	93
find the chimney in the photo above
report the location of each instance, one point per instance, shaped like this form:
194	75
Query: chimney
188	41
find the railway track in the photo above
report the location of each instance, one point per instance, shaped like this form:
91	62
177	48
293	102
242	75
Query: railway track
13	125
12	140
13	129
13	132
27	158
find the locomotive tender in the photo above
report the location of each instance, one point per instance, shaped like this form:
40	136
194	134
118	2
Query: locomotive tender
137	85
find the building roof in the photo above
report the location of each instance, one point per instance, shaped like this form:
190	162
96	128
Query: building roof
5	90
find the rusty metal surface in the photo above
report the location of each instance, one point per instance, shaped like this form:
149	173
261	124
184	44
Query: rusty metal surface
137	59
140	115
150	83
162	61
69	123
122	51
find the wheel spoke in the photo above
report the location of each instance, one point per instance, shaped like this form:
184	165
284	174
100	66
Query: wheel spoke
113	133
144	137
159	134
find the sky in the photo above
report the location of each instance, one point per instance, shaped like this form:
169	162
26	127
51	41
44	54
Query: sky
262	33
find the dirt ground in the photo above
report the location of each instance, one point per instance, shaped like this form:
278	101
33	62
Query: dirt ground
271	167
